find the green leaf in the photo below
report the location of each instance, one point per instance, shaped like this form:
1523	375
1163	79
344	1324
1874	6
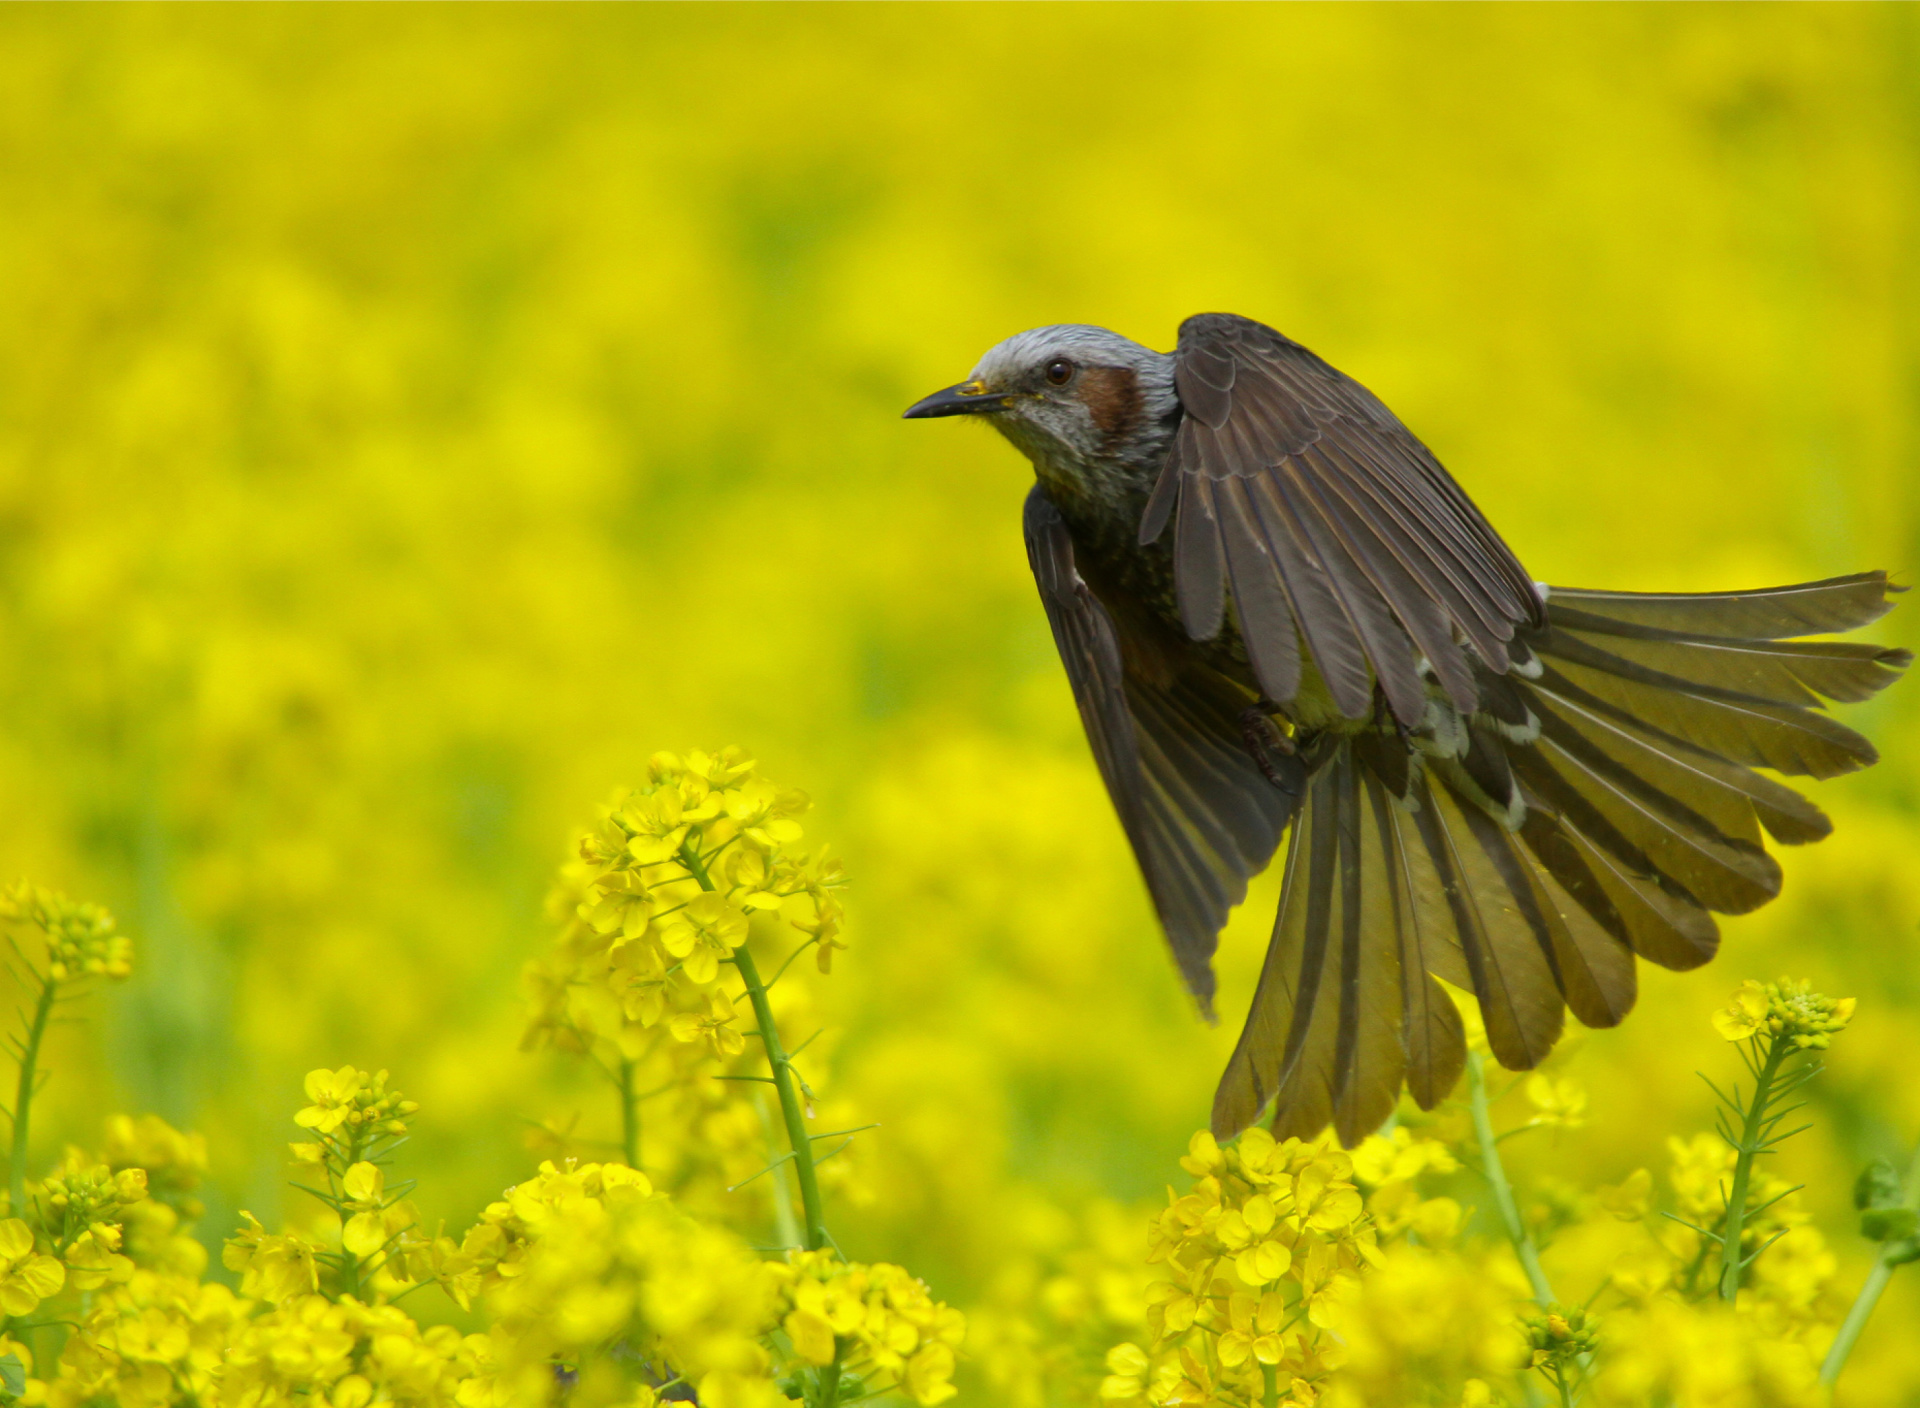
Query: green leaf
1899	1253
1878	1186
13	1376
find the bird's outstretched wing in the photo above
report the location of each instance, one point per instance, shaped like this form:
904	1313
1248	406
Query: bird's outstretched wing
1165	731
1292	487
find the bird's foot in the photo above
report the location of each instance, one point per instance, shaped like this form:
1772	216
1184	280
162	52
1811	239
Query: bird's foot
1264	738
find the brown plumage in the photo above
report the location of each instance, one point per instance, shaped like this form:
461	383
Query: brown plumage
1278	610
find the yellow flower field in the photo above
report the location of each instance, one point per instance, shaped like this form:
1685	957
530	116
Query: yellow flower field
431	438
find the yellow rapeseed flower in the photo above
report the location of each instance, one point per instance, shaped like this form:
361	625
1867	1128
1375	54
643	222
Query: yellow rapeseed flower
273	1267
705	932
353	1102
1558	1102
1627	1199
714	1026
26	1277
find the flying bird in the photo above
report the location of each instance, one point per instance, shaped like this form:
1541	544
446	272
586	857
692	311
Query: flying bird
1278	611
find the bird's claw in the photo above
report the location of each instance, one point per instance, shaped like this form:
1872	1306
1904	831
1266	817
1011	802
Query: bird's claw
1263	738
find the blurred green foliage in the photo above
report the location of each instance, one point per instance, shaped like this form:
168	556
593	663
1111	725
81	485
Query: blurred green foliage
410	418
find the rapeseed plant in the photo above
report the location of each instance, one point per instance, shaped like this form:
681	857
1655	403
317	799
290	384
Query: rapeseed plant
1288	1274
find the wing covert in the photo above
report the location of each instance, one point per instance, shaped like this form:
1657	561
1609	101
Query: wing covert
1299	496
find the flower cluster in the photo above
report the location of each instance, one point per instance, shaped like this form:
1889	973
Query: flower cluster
660	897
682	1302
1253	1257
1389	1167
1707	1354
82	939
495	1247
655	912
350	1109
310	1350
878	1322
157	1340
81	1209
359	1121
1427	1328
1784	1009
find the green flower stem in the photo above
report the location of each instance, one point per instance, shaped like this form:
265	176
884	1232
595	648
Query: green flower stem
23	1096
791	1110
1856	1321
785	1223
1752	1140
1863	1304
629	1116
1496	1175
793	1114
829	1380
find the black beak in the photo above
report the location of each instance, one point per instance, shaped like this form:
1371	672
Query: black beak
969	398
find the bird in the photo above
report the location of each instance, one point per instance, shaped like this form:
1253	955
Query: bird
1281	616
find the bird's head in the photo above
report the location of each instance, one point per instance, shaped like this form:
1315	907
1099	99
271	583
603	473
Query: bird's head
1073	398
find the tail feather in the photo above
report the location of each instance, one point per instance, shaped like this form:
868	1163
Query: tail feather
1668	778
1593	972
1252	1075
1789	739
1799	673
1506	958
1370	1058
1600	805
1771	613
1725	873
1594	967
1324	1039
1302	1077
1737	801
1431	1032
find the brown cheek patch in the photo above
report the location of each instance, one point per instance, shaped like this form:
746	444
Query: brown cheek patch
1112	396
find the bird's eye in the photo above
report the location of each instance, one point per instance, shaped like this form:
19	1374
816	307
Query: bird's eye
1059	371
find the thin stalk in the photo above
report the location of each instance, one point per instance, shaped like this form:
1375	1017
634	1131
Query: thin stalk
23	1096
792	1112
1751	1142
1496	1175
629	1116
1857	1316
1863	1304
785	1223
793	1115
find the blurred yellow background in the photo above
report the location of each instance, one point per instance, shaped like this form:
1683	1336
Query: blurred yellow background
411	418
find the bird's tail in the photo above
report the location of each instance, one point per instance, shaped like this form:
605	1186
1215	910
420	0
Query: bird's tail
1602	803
